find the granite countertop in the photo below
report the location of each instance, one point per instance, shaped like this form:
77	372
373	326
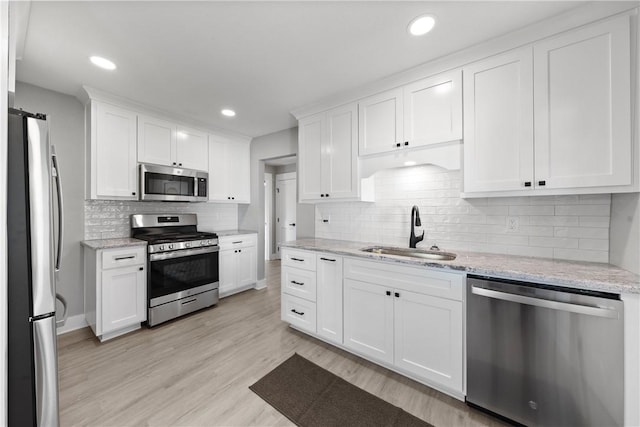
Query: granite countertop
225	233
574	274
122	242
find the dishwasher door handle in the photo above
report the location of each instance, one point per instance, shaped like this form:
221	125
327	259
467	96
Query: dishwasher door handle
544	303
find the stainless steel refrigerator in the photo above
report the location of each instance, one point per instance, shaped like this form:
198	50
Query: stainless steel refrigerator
34	218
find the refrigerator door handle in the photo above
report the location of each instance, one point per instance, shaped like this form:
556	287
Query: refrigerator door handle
46	371
56	171
64	312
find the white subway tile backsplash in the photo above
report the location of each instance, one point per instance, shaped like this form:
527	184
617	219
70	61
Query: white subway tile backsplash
565	227
106	219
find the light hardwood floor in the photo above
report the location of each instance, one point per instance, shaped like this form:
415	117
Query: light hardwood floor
196	370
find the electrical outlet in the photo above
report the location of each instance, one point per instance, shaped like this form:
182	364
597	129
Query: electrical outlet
513	224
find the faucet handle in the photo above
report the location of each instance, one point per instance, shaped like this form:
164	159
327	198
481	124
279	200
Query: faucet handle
434	248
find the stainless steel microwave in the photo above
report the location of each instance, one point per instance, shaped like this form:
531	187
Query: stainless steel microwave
171	184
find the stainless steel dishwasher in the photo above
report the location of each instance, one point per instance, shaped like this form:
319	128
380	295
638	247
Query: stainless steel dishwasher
544	355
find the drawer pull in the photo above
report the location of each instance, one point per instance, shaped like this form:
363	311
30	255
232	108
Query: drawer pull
297	259
120	258
328	259
388	293
299	313
190	301
235	243
297	283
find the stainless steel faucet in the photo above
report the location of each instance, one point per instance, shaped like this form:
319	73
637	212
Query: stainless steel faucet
415	222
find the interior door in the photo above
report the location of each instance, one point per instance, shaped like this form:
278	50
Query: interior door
285	209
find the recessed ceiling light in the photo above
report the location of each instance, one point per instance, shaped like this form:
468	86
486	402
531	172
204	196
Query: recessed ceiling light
410	163
228	113
102	63
422	25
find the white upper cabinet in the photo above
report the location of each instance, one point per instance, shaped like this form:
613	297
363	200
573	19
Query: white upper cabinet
156	140
582	100
433	109
165	143
192	149
428	111
111	152
577	140
380	122
229	170
328	156
498	122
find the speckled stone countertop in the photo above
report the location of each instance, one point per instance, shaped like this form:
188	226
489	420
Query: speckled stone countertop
113	243
581	275
225	233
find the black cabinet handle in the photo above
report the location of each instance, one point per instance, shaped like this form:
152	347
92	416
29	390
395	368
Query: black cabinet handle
120	258
235	243
322	195
133	193
542	183
527	183
297	259
406	143
293	224
179	164
397	294
233	198
398	145
297	283
388	293
239	250
326	195
299	313
328	259
228	197
174	163
141	268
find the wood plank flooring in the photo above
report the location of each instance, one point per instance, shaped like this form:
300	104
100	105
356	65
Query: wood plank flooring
196	370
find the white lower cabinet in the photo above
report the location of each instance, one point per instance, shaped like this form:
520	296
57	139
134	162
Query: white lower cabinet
238	263
409	319
115	281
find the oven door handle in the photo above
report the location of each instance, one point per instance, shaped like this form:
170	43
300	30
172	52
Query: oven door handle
183	253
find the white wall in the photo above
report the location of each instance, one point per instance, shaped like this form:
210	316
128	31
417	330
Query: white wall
66	119
251	217
625	231
564	227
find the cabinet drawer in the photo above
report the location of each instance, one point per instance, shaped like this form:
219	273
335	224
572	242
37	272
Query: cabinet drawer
301	283
299	259
239	241
122	257
299	312
415	279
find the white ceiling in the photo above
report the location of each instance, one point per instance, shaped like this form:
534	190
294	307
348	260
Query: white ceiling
262	59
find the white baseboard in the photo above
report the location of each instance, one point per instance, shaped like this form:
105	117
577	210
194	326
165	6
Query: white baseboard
261	284
73	323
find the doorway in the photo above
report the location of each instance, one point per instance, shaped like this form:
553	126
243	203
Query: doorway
276	170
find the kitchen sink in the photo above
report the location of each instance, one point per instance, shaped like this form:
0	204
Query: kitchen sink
411	253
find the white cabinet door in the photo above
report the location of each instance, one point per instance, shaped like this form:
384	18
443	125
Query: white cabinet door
219	168
191	149
498	122
156	141
310	156
228	270
340	156
380	122
368	319
329	297
115	147
433	109
429	337
246	266
123	298
239	184
582	99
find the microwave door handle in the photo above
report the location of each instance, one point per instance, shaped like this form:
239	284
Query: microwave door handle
56	168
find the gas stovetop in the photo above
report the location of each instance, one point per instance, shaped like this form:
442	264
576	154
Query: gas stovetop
170	232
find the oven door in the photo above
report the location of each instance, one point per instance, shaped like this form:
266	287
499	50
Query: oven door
182	273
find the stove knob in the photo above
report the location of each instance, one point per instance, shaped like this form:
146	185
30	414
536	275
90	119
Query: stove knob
187	245
161	247
207	242
171	246
203	242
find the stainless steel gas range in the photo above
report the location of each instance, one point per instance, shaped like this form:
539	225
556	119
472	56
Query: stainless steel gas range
182	273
